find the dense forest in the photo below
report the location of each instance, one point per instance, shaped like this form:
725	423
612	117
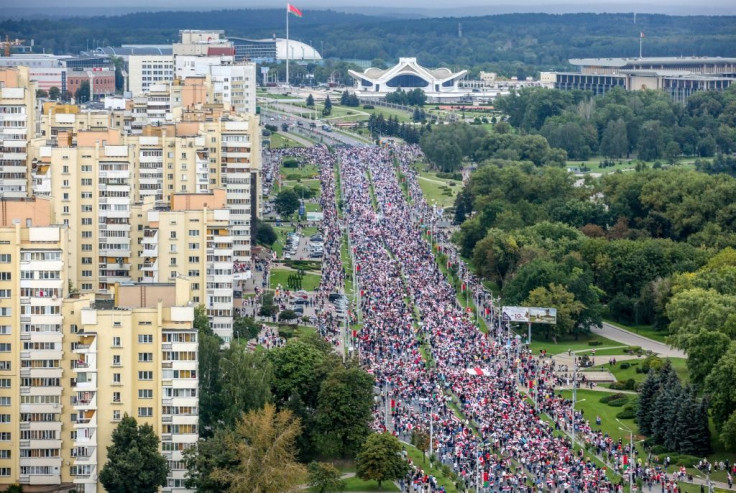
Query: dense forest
511	44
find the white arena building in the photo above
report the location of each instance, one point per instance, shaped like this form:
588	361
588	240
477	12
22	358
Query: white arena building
407	75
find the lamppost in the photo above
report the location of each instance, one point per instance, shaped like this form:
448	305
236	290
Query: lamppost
631	453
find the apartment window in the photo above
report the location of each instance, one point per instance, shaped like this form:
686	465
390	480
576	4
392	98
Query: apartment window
193	232
194	260
115	360
5	258
116	342
86	273
86	195
4	293
194	246
145	357
86	260
172	235
5	436
145	393
193	273
145	338
5	276
87	182
86	168
87	208
65	169
66	209
6	312
4	471
5	330
4	418
5	347
87	234
116	415
116	378
116	397
195	286
145	375
4	454
4	383
5	365
4	401
87	221
172	261
145	412
87	286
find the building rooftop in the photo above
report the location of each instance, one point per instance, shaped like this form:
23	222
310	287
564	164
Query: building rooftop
623	62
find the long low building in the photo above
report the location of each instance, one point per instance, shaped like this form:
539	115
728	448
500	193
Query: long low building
678	76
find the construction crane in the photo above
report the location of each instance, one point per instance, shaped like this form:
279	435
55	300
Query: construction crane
8	43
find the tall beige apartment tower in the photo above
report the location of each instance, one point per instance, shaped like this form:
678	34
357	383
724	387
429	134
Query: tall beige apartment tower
134	353
34	273
17	127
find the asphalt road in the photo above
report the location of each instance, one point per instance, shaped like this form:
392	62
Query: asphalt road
614	333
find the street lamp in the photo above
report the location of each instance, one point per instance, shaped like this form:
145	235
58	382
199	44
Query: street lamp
631	453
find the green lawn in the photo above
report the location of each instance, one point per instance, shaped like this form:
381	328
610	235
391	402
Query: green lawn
310	282
438	191
589	402
279	140
312	207
301	173
357	484
621	374
582	343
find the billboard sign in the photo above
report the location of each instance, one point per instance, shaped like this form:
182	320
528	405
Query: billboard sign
543	315
515	313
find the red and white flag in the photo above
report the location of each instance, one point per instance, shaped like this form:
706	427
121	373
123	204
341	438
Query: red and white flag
293	10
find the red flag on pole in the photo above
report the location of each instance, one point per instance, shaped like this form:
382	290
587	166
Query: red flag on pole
293	10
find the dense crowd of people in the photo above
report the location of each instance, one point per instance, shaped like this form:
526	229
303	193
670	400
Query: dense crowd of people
428	356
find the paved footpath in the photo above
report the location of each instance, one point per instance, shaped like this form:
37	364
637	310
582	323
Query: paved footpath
610	331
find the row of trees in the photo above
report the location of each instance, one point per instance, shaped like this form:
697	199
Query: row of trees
672	415
378	125
414	97
620	123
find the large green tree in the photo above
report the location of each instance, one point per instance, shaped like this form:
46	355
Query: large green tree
134	464
245	382
264	443
286	202
324	477
344	404
568	308
380	459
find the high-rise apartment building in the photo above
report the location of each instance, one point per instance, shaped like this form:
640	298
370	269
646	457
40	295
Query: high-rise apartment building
132	353
193	239
147	70
34	274
17	127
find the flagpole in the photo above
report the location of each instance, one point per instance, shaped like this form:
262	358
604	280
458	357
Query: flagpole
641	38
287	45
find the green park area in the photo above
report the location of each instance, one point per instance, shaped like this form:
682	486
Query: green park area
280	277
279	141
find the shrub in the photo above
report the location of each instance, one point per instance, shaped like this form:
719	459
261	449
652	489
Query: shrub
618	402
627	413
290	162
651	362
610	397
595	343
449	175
625	365
618	385
368	107
286	331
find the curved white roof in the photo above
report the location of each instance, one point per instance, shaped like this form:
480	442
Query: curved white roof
299	50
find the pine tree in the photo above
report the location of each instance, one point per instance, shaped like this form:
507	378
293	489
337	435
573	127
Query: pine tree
328	107
647	396
310	101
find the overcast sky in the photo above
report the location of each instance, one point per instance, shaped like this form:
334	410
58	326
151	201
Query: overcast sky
426	7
